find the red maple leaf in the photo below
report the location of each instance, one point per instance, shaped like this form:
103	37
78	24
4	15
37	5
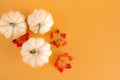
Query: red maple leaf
58	38
19	42
63	61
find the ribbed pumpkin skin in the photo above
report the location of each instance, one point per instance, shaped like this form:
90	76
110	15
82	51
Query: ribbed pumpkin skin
12	24
40	21
36	52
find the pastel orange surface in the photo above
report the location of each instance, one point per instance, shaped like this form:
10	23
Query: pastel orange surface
93	30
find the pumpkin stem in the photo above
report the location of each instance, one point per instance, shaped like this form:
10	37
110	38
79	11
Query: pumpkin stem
33	51
12	24
39	28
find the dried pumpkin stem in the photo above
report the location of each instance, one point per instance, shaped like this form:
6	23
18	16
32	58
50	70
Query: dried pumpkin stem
33	51
12	24
39	28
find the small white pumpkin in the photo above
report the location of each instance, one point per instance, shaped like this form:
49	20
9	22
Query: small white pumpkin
12	24
36	52
40	21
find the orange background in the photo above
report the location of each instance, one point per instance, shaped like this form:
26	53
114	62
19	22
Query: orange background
93	29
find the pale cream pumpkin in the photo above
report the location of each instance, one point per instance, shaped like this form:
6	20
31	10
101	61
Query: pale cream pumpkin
40	21
12	24
36	52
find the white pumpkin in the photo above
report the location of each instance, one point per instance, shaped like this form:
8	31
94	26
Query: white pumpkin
40	21
12	24
36	52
